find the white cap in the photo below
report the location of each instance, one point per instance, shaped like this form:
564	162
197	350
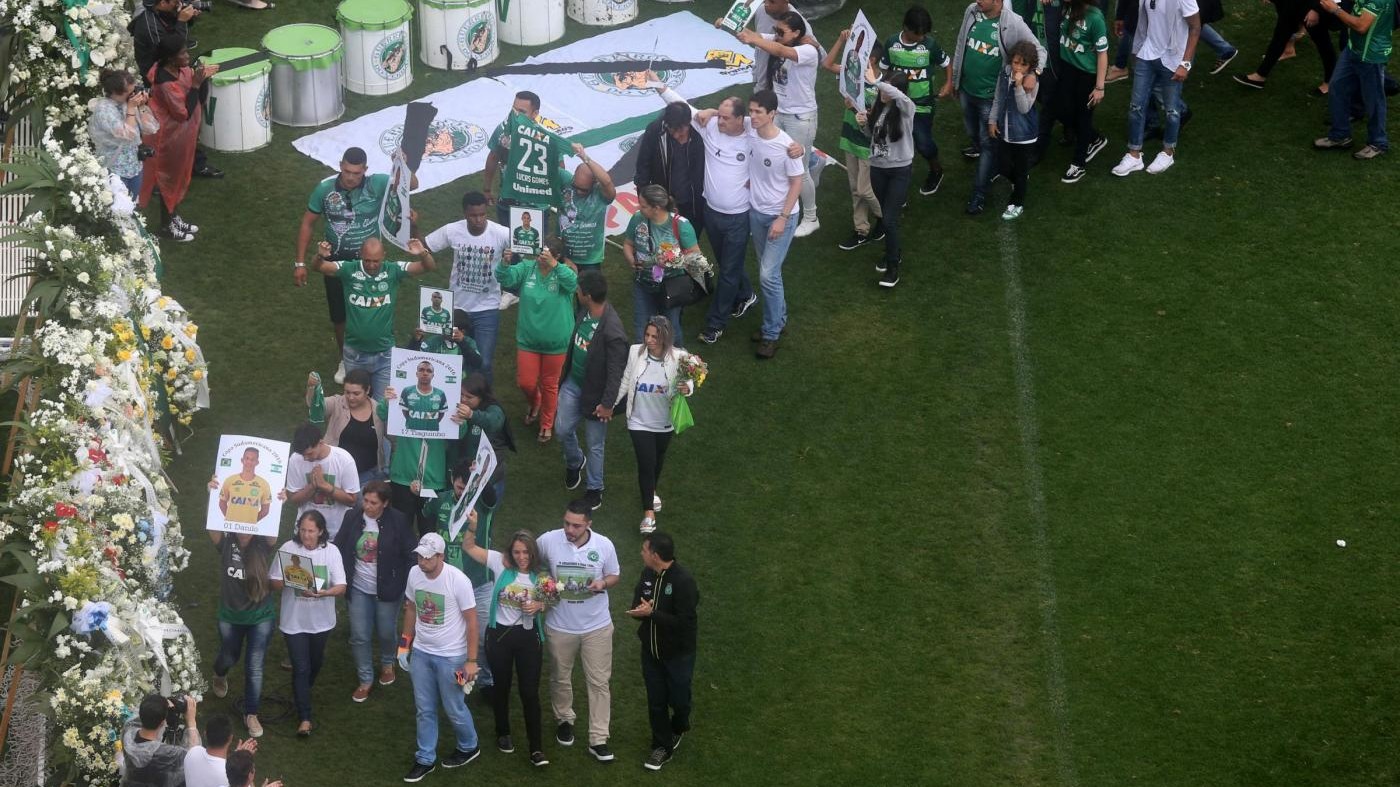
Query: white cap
430	545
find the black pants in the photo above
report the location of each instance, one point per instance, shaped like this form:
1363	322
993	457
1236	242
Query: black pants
891	187
668	696
651	453
1072	108
512	647
1014	163
695	213
1290	17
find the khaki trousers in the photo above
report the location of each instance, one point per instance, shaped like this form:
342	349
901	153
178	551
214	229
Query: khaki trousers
596	648
863	201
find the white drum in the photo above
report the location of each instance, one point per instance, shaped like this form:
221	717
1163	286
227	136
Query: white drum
377	59
603	13
532	22
457	32
307	89
237	118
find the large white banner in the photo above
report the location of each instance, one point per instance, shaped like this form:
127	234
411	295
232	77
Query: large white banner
572	103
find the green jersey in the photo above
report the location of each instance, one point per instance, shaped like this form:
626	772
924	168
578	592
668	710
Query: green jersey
583	335
982	61
1080	42
916	61
369	304
435	321
854	139
1373	46
352	216
546	316
423	412
584	221
534	161
526	236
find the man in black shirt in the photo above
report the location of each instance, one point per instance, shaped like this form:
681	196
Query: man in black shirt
671	155
665	602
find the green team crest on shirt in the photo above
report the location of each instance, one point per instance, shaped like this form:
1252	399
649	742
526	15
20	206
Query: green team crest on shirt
593	555
630	83
448	140
389	57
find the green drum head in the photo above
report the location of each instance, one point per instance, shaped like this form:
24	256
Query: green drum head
240	74
372	14
304	47
448	4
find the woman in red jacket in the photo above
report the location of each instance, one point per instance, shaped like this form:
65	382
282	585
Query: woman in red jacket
177	95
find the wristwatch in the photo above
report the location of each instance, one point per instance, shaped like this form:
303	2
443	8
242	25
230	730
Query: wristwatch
296	265
1186	64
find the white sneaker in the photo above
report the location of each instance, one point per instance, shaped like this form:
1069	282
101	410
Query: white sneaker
655	503
805	228
1161	163
1128	165
508	300
1012	212
340	374
648	525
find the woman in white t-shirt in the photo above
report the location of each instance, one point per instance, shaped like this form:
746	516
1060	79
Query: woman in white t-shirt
514	633
649	384
308	616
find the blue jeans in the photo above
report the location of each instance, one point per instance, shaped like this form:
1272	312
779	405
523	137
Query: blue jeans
976	111
307	652
729	235
231	639
133	184
483	594
1351	77
595	433
923	136
372	474
1152	79
486	326
377	364
771	255
435	681
372	621
1214	40
645	306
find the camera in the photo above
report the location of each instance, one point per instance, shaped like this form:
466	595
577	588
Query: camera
144	152
202	6
175	719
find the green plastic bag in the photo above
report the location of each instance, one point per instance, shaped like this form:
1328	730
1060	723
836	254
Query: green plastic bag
680	414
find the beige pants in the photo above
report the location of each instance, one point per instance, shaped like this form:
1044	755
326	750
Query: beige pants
596	647
863	201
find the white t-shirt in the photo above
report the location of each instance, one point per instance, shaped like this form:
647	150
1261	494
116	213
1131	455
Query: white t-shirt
474	259
580	610
770	167
203	770
1162	32
795	81
339	469
763	23
438	605
302	615
726	162
510	597
651	403
367	559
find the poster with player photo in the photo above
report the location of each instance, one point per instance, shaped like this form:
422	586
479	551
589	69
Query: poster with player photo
525	226
424	389
435	311
245	491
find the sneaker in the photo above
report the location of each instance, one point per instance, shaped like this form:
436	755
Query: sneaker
659	757
1094	148
1161	163
361	693
767	349
208	170
594	498
971	152
219	685
1257	84
1012	212
758	334
1116	74
975	206
891	277
656	503
877	231
805	228
179	221
1223	62
176	234
340	374
1129	165
254	726
931	183
601	752
880	266
854	242
504	745
743	308
386	675
1073	174
676	741
508	299
565	733
648	525
1369	152
459	758
574	476
538	759
710	336
418	771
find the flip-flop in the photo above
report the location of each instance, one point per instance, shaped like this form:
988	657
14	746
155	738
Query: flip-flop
546	435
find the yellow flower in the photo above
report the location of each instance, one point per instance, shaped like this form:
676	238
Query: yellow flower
170	374
189	356
123	355
198	375
145	333
191	329
167	343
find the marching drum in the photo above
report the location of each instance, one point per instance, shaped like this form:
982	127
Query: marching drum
377	47
306	83
456	32
237	117
532	22
604	13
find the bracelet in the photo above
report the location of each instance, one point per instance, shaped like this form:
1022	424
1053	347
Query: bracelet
296	265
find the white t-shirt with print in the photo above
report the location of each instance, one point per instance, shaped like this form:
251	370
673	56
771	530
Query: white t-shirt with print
1162	31
474	259
770	167
651	399
302	615
339	469
510	597
367	559
795	81
438	604
580	610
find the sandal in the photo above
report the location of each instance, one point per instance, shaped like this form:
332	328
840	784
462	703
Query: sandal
532	416
546	435
304	729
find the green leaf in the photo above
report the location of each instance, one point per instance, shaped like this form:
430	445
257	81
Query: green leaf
28	583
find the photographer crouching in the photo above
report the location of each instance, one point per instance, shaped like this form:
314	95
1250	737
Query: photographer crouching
155	740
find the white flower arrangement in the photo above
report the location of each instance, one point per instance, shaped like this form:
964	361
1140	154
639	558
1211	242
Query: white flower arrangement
59	52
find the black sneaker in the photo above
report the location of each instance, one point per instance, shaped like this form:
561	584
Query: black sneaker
971	152
877	231
659	757
743	308
601	752
880	266
931	183
565	734
504	744
711	335
594	498
574	476
976	205
538	759
460	758
418	771
676	741
1094	148
891	277
854	242
209	171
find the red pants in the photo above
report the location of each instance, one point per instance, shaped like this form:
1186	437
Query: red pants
537	375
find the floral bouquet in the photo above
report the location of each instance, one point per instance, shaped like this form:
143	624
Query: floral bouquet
670	256
693	369
546	592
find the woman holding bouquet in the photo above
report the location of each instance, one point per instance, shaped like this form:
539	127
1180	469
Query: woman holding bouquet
656	241
543	329
308	615
651	381
514	633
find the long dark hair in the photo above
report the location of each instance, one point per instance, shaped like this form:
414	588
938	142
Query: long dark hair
1077	9
885	123
257	559
794	22
477	385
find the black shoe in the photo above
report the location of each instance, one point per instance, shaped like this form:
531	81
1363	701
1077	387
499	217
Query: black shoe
743	308
659	757
758	334
976	205
565	734
711	335
931	183
877	231
601	752
505	745
676	741
418	772
574	476
971	152
538	759
1094	148
881	266
209	171
460	758
891	277
594	498
854	242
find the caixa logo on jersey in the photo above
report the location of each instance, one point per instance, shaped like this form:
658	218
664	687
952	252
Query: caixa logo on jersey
448	140
734	62
630	83
389	56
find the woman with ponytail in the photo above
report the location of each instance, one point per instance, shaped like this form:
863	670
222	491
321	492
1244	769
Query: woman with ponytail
246	613
890	124
656	229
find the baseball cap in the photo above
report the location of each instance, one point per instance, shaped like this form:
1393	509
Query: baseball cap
429	545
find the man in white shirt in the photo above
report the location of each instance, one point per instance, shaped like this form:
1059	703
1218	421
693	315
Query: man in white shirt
1163	46
477	245
585	565
321	477
439	622
774	183
204	765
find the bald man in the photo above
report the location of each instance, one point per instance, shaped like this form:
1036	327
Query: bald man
584	218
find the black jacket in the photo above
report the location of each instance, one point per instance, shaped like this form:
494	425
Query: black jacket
607	360
670	631
657	157
147	29
397	538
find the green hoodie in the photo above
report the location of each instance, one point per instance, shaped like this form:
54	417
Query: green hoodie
546	305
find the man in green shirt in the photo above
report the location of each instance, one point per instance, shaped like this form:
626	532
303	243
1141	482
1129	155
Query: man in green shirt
915	53
583	221
1360	70
526	103
593	368
369	285
423	406
855	143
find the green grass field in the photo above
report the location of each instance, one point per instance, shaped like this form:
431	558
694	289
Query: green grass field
1059	510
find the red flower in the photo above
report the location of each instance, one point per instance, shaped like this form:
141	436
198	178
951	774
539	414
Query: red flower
96	456
50	526
65	510
119	479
